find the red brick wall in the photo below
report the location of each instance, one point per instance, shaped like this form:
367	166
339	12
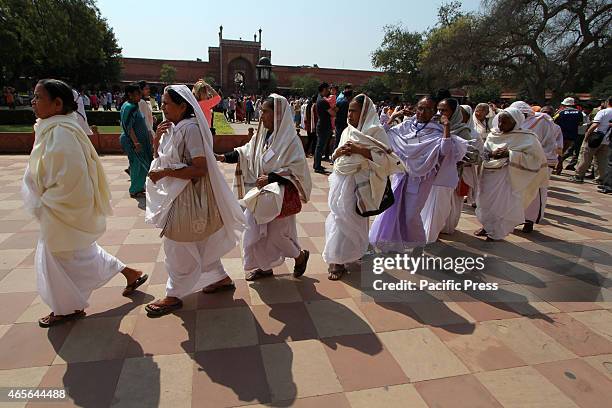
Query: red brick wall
135	69
284	75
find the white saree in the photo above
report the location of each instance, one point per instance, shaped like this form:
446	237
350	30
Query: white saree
508	185
66	189
192	266
267	240
357	181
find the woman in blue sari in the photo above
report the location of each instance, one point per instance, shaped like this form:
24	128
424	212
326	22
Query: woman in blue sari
135	141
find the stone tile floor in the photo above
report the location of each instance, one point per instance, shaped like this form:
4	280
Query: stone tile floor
316	343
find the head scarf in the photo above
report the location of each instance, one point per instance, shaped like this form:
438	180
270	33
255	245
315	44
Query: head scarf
481	127
282	153
161	195
457	126
516	115
370	175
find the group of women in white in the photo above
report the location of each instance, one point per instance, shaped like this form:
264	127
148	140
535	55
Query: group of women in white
412	177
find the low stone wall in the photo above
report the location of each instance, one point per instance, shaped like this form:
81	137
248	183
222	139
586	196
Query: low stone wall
108	143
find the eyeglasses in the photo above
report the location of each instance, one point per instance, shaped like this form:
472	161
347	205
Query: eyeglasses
422	109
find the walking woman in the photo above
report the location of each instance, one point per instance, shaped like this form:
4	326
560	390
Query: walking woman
66	189
272	179
135	140
362	165
188	198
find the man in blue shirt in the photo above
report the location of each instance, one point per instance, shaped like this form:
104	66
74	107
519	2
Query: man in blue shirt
342	103
569	119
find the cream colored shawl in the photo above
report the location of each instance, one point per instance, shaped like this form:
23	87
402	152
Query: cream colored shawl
526	161
370	175
64	186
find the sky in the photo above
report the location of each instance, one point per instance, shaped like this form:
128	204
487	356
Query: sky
331	34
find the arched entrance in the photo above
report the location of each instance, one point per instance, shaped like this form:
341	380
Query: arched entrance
240	74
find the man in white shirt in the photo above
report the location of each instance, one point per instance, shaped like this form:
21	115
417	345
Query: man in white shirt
603	119
593	147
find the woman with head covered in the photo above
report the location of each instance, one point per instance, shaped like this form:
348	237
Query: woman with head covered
363	163
271	176
188	198
429	155
514	169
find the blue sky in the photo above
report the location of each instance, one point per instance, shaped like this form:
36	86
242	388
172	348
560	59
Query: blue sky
335	34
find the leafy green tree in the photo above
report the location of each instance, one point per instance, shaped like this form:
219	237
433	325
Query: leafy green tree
399	54
603	88
167	74
65	39
307	83
377	88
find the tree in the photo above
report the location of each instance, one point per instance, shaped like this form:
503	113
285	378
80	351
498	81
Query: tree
484	93
603	88
449	13
65	39
376	88
541	42
167	74
531	45
399	53
307	83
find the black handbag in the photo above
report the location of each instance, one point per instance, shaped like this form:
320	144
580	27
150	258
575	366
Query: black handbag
387	201
595	139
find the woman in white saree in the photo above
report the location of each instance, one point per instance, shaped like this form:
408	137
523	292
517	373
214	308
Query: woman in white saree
513	172
363	163
183	155
66	189
270	164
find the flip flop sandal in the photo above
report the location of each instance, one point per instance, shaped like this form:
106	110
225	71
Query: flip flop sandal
218	288
258	274
481	233
53	320
154	310
336	273
298	270
131	288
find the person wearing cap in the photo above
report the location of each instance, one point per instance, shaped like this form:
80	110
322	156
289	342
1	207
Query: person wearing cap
569	119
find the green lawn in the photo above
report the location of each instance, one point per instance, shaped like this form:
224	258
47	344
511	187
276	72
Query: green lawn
221	125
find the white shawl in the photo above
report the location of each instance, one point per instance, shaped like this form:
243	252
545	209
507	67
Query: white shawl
370	175
283	154
161	195
526	161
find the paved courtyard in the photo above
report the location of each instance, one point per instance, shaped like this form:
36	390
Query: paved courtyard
316	343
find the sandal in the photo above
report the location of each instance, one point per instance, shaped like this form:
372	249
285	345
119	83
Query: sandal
335	272
53	320
131	288
157	310
257	274
298	270
219	286
481	233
